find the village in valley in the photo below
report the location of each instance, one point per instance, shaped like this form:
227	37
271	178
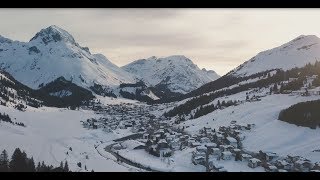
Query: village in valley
156	143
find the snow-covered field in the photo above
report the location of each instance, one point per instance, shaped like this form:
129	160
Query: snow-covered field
270	134
50	132
181	160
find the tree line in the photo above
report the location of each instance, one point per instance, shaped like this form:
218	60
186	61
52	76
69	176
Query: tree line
305	114
275	80
20	162
6	118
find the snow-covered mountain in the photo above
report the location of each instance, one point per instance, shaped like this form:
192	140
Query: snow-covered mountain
295	53
177	72
53	53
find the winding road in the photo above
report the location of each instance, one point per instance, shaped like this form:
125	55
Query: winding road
122	159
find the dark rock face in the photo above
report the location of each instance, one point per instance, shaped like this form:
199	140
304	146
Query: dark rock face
33	49
53	34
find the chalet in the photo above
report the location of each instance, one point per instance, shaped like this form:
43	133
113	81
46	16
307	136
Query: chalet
169	139
268	156
226	155
145	136
157	136
216	152
214	165
107	129
175	145
222	147
94	126
232	141
254	162
178	135
205	140
141	129
251	125
242	128
194	136
86	124
161	131
167	134
229	148
241	137
198	160
219	137
162	123
165	152
271	169
128	124
182	138
317	166
207	128
210	145
186	136
201	149
236	151
283	164
191	141
195	144
117	146
292	159
303	165
222	128
237	132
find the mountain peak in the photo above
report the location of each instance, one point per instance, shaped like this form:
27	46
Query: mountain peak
305	37
295	53
177	73
177	57
53	33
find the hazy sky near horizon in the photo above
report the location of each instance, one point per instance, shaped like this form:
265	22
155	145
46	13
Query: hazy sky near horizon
215	39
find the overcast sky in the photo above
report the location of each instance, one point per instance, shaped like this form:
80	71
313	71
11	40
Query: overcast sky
216	39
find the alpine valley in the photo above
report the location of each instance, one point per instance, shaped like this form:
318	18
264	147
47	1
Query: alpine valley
72	110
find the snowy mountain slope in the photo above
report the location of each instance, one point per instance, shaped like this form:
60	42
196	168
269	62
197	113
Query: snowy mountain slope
296	53
50	132
270	134
179	73
53	53
14	94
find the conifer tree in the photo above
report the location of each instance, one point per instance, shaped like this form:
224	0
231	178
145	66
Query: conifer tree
66	167
16	163
4	161
38	167
31	165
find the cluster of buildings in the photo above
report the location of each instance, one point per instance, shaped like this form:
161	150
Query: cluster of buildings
307	89
159	137
161	140
212	146
120	116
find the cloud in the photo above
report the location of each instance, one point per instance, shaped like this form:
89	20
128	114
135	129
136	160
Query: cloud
218	39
